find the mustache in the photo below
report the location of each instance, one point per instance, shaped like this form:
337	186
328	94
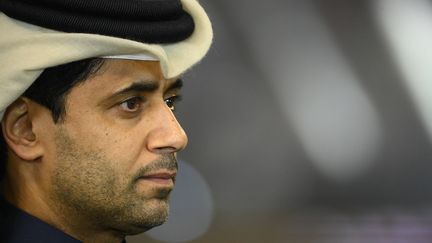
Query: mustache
166	162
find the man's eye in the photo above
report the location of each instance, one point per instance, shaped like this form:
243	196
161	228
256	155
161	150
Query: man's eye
172	101
132	104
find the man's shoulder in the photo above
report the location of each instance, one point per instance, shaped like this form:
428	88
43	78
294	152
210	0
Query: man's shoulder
17	226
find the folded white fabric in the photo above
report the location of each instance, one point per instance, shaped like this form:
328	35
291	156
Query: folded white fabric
26	50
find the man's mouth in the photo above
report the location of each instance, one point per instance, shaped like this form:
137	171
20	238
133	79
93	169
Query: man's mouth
161	178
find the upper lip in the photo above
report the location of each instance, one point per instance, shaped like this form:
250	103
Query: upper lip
160	175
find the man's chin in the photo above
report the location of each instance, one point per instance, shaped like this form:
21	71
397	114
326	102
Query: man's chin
141	227
138	229
154	213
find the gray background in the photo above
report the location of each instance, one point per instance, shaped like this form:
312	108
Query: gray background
302	126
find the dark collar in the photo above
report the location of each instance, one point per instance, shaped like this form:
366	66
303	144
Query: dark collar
17	226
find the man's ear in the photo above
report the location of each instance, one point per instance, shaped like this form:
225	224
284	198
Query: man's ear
18	131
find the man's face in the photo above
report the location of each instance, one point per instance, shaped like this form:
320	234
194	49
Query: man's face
112	158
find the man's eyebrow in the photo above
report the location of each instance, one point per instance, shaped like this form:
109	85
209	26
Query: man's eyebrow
178	84
147	86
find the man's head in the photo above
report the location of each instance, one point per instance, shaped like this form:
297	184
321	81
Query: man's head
109	158
87	106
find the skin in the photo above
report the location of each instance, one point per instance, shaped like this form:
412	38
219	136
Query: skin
100	173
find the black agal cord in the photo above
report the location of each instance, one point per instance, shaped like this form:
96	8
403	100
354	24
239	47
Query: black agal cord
149	21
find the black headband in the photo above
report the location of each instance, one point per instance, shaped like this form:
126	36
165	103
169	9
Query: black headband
149	21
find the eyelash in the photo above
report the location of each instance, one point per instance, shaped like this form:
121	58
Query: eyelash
172	101
137	101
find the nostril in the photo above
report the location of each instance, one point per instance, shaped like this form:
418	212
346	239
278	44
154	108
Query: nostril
165	150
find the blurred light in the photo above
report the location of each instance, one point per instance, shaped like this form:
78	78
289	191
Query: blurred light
191	209
407	27
318	92
337	125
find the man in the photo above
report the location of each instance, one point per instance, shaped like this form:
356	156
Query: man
87	95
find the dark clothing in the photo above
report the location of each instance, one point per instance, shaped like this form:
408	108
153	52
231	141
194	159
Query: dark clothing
17	226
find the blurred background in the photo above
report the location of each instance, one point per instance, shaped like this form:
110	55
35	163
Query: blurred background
309	121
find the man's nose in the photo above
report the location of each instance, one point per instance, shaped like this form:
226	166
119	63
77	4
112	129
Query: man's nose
166	135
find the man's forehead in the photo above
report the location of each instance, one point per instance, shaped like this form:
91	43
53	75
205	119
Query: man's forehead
123	67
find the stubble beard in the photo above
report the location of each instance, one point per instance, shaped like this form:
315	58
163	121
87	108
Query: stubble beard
87	188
